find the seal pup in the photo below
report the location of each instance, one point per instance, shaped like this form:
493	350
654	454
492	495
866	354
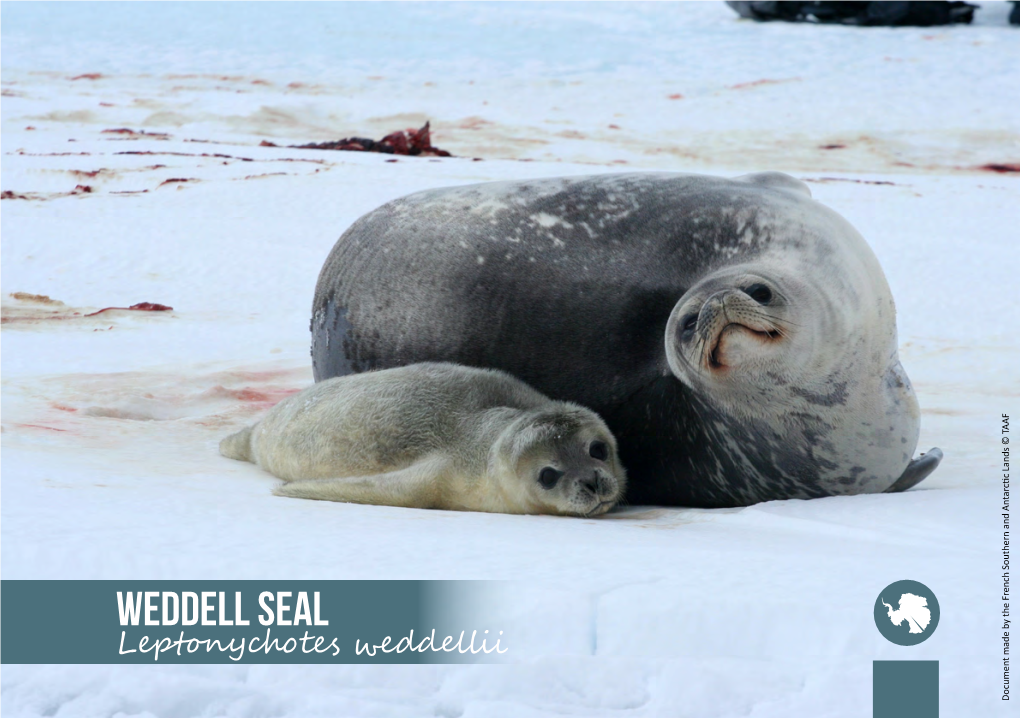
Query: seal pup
738	337
437	436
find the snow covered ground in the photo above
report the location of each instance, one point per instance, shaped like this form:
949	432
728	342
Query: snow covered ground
110	422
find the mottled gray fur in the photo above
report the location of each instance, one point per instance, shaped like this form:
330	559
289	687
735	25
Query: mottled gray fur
635	295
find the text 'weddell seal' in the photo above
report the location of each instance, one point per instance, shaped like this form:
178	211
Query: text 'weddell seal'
255	621
737	337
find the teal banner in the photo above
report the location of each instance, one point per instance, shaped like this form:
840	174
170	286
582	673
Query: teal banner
246	622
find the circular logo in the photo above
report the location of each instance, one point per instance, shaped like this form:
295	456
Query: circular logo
906	612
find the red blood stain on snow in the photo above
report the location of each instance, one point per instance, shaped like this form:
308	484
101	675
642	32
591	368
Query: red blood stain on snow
763	81
258	398
259	376
87	76
193	154
675	96
51	154
135	133
140	307
31	318
79	189
32	309
254	395
474	123
1000	168
415	142
40	426
249	394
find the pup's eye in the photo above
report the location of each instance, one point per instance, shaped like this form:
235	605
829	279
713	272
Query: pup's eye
598	450
690	322
549	476
759	293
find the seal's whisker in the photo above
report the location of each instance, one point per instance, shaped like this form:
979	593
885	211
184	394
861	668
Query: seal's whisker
778	320
700	351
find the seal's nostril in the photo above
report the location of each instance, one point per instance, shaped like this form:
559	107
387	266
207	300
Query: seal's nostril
591	484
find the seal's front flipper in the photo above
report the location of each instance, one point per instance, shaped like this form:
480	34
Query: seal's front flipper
917	471
416	487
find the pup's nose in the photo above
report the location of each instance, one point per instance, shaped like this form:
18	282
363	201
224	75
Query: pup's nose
597	484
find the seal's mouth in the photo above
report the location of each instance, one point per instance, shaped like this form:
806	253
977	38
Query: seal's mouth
599	509
719	358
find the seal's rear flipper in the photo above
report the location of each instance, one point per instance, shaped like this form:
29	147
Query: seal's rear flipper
917	471
238	446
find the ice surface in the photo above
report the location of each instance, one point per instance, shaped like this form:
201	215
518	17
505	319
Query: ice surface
110	423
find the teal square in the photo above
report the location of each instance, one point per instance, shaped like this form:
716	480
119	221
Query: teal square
905	689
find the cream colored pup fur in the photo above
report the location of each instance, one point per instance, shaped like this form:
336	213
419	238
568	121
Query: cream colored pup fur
438	436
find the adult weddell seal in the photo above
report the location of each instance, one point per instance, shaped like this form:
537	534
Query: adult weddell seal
436	436
738	338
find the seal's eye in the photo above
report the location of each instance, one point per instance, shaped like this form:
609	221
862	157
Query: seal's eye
759	293
598	450
549	476
690	322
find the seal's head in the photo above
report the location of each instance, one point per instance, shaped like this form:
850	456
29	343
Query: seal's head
791	343
559	460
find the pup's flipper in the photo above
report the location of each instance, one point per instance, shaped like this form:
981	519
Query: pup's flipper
238	446
417	486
